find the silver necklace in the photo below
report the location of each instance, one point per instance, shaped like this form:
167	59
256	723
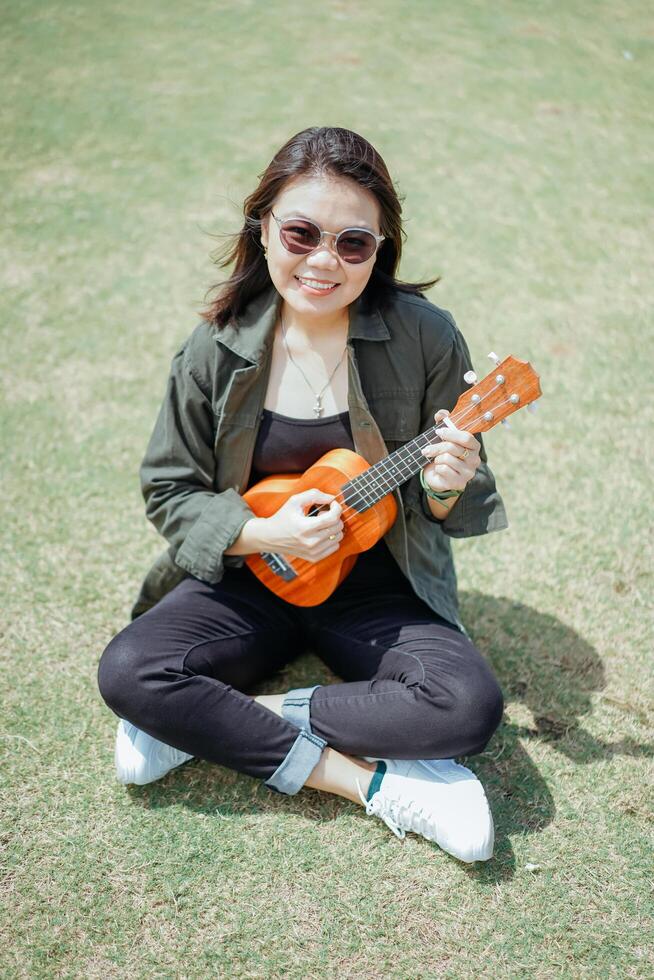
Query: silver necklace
317	408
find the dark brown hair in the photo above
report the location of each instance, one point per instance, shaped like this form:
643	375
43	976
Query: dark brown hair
324	151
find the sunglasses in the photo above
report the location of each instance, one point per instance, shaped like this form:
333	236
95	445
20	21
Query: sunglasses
301	236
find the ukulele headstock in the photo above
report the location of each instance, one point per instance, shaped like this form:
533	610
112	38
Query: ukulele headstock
511	385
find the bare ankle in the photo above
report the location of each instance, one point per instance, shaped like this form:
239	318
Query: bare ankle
339	774
335	772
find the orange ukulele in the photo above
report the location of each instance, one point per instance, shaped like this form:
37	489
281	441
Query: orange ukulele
365	491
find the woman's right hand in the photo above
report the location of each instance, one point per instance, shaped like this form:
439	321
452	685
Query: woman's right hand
292	532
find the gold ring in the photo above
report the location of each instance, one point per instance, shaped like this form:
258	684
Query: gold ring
466	452
332	537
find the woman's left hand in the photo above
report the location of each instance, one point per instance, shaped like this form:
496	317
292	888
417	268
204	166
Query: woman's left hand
454	461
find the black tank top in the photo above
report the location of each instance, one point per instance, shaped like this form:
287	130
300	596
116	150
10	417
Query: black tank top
288	445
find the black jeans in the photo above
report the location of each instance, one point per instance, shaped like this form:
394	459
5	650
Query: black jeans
414	687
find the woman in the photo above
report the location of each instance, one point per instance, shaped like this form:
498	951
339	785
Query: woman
313	343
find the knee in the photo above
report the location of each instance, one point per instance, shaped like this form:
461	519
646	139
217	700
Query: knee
117	678
484	709
479	708
466	715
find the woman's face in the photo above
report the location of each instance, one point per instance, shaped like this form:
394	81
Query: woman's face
333	203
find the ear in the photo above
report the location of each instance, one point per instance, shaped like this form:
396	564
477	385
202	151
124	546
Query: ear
265	221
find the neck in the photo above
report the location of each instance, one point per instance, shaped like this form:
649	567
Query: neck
315	327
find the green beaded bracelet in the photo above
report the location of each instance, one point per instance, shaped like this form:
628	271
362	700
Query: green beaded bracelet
435	494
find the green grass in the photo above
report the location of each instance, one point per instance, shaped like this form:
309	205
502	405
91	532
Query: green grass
520	134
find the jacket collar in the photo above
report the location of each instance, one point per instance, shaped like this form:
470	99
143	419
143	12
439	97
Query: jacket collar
252	333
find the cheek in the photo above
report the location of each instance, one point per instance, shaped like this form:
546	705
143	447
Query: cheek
361	276
282	265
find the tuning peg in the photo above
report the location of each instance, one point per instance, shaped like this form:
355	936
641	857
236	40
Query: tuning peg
532	407
494	358
470	378
506	423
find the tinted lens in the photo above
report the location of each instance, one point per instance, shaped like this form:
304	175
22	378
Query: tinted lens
299	236
355	246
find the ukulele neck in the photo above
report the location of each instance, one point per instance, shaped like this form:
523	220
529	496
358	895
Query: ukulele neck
389	473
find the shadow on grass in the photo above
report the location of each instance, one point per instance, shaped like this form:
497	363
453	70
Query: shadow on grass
539	662
551	670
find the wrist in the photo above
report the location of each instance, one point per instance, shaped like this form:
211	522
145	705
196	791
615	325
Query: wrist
251	539
438	495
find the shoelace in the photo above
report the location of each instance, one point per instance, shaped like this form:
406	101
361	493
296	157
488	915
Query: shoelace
392	812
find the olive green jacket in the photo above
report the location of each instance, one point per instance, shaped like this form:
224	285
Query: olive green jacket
404	363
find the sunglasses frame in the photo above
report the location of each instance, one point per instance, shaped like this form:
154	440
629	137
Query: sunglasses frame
335	235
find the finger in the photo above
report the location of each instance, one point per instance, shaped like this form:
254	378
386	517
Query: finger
454	463
335	509
462	464
325	539
435	449
441	414
330	548
328	535
463	448
326	522
334	533
449	477
313	496
317	554
459	436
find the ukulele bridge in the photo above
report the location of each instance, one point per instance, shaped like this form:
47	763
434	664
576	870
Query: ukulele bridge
279	565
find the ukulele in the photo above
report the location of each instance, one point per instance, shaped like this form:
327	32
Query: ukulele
365	491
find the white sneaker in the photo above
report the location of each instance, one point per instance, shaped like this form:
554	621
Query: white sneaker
441	800
142	759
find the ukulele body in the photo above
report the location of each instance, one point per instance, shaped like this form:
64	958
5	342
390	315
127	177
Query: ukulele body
315	581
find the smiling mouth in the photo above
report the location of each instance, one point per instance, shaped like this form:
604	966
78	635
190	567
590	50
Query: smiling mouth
322	285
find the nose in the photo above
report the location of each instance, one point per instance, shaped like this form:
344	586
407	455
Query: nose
325	255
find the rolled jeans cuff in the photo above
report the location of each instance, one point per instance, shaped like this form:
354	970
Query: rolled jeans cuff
303	756
295	707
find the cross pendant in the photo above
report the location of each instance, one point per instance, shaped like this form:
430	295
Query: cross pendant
317	408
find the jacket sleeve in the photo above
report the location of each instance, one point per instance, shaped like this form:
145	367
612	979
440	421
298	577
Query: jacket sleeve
178	479
480	508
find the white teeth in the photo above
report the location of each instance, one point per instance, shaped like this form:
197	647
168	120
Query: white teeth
316	285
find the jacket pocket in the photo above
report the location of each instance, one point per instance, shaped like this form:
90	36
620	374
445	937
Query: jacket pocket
398	416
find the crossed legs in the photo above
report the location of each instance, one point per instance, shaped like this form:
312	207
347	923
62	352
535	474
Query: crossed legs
413	686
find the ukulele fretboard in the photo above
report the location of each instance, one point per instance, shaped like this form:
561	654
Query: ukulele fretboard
389	473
